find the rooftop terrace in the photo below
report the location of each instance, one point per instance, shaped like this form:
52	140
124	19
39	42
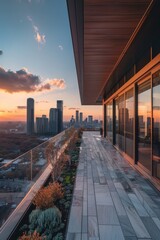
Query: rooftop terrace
112	201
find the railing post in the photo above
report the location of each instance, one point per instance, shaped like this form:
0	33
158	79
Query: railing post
31	165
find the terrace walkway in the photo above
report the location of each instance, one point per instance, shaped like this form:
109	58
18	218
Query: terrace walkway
111	201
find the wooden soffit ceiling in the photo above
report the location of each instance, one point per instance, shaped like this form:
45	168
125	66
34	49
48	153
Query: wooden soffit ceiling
109	26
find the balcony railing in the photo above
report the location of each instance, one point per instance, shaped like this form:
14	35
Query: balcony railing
20	180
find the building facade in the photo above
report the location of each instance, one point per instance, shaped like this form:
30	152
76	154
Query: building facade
53	121
30	116
77	116
81	117
60	115
42	125
124	54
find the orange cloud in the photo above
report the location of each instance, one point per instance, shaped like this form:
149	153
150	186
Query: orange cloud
40	38
24	81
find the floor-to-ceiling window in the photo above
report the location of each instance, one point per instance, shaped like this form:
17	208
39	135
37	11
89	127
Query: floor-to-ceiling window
116	115
109	114
129	117
144	124
121	110
156	124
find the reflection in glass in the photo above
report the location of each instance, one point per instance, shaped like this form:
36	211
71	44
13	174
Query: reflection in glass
121	106
109	111
129	116
144	124
156	124
116	122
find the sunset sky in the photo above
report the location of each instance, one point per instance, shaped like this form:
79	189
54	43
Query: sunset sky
36	60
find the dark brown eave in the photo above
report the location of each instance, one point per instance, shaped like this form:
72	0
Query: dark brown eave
102	32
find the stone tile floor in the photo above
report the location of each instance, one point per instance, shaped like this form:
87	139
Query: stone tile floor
111	200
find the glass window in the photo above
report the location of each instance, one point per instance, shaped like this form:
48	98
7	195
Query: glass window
116	122
156	124
121	107
129	117
110	120
144	124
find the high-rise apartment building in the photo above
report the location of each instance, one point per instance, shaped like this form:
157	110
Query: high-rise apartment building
90	119
77	116
60	115
42	124
53	121
81	117
30	116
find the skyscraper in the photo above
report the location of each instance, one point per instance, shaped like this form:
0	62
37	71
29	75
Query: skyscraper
53	121
77	116
30	115
81	117
60	115
42	124
90	119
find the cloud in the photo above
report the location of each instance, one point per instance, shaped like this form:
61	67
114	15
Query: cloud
40	38
1	52
60	47
2	111
19	81
52	84
22	107
73	108
23	81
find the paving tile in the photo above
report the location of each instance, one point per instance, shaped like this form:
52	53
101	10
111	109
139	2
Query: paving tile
84	224
118	204
93	238
107	215
75	220
132	238
138	206
77	198
91	205
151	227
84	236
73	236
156	221
112	201
110	232
85	208
122	194
136	222
92	227
126	226
144	203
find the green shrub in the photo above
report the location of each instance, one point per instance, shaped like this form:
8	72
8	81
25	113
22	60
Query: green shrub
33	218
46	222
59	236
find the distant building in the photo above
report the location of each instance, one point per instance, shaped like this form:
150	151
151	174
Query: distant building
42	124
60	115
53	121
90	119
30	116
77	116
72	121
81	117
85	120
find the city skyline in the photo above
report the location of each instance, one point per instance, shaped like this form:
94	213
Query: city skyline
36	60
